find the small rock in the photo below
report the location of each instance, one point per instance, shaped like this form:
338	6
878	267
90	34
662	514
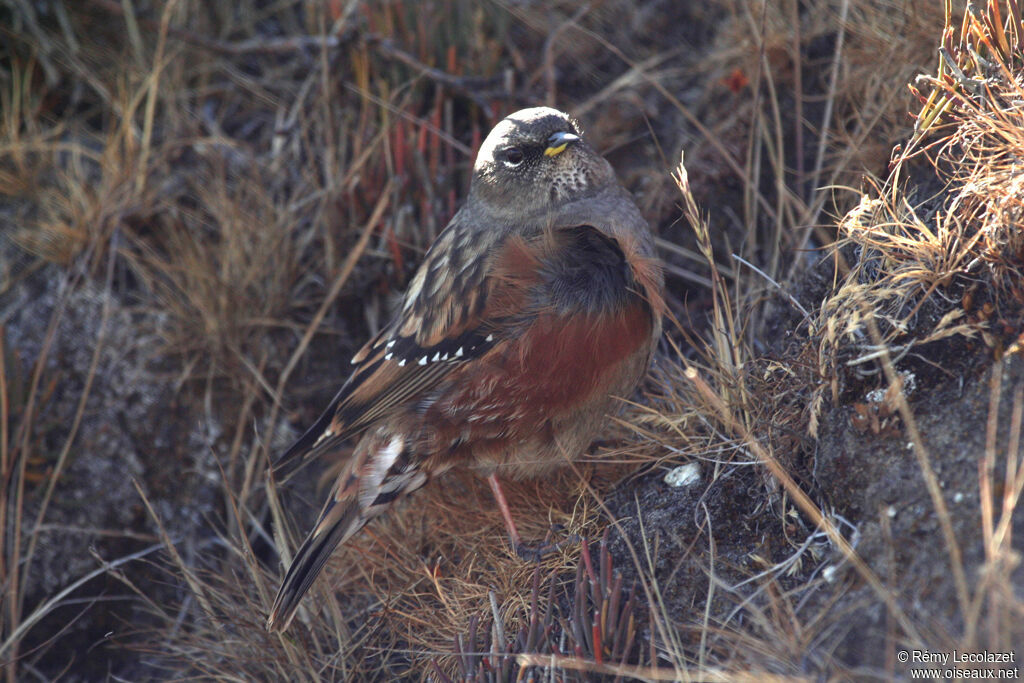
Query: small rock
684	475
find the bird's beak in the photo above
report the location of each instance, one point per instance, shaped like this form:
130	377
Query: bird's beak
558	142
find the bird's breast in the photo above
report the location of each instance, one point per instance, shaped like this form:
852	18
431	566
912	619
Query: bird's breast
562	360
587	273
560	373
574	327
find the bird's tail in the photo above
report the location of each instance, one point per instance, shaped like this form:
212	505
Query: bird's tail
381	473
338	522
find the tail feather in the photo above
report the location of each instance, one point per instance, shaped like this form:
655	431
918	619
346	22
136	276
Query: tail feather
316	440
337	523
381	473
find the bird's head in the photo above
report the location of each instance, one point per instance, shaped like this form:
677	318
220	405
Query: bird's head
536	158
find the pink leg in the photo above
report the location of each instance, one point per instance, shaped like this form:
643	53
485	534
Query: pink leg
499	498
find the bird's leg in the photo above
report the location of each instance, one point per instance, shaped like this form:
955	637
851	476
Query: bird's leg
506	514
527	551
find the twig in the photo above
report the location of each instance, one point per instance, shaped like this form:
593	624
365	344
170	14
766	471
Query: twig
775	284
830	100
244	47
470	85
54	602
346	270
649	673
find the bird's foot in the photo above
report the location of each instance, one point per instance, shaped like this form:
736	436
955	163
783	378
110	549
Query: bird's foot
535	552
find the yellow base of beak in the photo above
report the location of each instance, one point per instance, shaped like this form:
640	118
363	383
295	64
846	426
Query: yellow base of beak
555	151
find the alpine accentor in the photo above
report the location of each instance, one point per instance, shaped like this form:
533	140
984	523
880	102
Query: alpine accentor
538	304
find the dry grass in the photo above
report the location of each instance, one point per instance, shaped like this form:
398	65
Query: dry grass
259	180
946	243
938	257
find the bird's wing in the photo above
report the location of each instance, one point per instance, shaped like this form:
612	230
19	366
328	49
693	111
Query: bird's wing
456	309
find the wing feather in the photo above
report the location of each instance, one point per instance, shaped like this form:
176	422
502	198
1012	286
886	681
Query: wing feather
442	324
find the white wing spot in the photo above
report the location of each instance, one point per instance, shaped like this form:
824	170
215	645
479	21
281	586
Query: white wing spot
401	363
458	354
380	463
386	457
423	361
387	356
328	433
490	338
437	357
390	344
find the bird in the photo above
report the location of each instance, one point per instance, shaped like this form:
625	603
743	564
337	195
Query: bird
537	305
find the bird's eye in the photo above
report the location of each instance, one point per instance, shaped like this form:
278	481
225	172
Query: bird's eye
512	157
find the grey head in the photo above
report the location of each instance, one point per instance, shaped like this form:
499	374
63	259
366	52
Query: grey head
534	161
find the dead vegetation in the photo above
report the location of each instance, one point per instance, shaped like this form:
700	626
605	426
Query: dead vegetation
214	203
